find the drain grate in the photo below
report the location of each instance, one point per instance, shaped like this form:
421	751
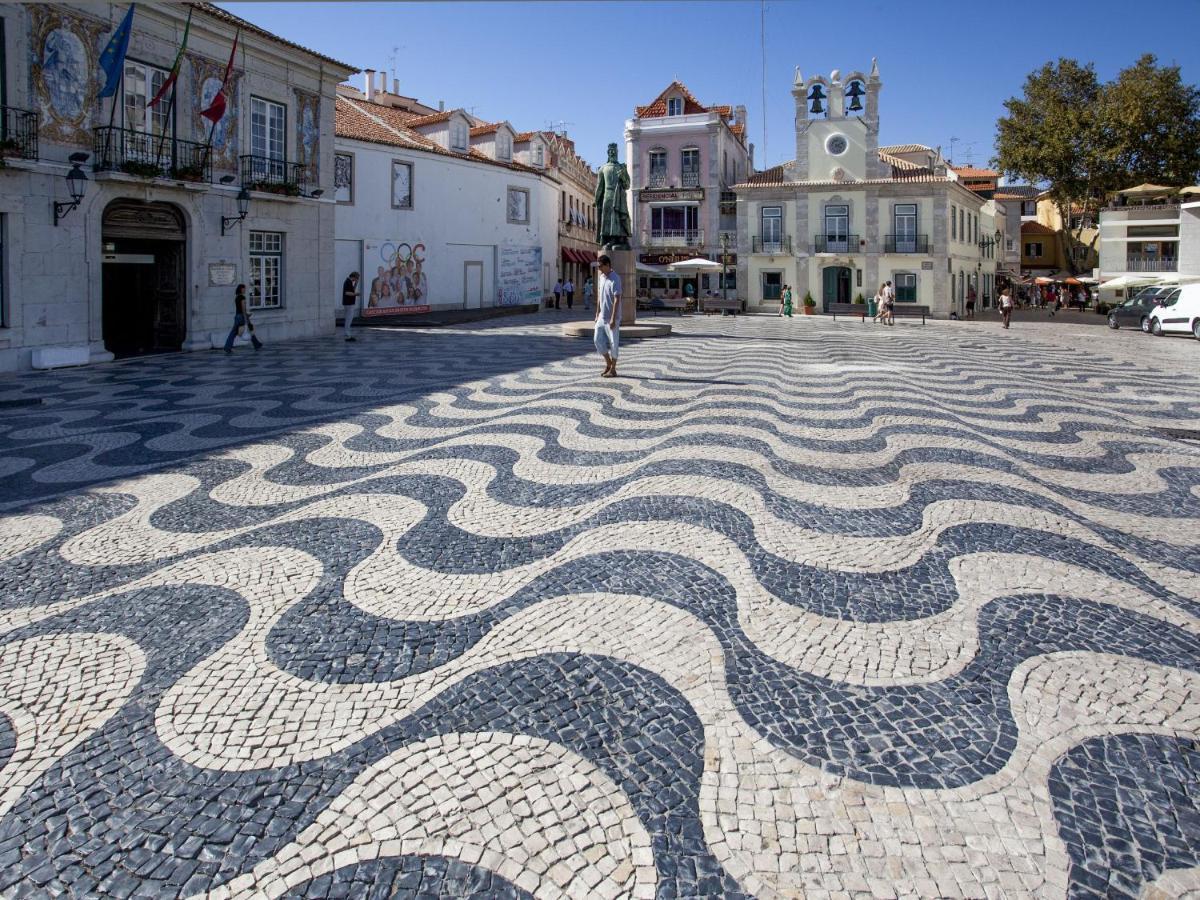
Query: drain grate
1180	434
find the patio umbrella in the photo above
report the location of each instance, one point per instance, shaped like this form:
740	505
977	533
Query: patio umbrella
696	264
1147	190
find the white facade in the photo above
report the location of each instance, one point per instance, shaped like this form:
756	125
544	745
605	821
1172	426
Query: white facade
847	214
473	218
141	265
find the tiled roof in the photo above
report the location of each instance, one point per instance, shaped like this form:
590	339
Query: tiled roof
432	119
490	128
523	137
1035	228
723	110
737	129
906	148
777	177
1018	192
897	163
229	18
969	172
658	107
360	121
772	177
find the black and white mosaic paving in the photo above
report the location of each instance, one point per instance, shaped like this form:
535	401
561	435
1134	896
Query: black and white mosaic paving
792	608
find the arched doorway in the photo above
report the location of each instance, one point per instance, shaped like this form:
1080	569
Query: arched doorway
144	296
835	286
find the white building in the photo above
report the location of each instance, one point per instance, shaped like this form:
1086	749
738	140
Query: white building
148	260
1143	241
847	214
438	211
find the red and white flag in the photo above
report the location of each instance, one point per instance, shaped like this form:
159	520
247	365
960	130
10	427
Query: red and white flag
216	109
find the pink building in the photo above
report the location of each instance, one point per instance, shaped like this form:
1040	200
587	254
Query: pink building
684	159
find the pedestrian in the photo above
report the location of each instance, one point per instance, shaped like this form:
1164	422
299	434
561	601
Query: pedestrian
783	300
569	290
1006	306
787	300
880	302
241	319
589	291
890	302
349	302
558	289
608	316
971	302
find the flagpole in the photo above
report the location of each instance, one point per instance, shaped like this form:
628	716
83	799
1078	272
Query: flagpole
163	137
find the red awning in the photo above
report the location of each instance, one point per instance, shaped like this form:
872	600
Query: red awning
566	254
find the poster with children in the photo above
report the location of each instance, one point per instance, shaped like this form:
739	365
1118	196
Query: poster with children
394	279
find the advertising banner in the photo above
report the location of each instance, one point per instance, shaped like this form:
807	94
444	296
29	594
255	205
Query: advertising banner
394	275
520	279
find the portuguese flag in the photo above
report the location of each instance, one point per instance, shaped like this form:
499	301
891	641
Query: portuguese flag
174	74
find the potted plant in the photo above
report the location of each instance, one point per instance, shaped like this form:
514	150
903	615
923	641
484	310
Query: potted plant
809	303
860	298
194	173
282	188
140	169
9	147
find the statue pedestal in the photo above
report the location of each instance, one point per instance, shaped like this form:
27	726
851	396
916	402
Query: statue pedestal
624	263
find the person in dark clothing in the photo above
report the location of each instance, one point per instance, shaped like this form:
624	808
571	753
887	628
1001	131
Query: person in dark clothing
349	302
241	318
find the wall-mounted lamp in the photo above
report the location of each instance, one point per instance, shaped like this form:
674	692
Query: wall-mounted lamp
316	195
76	184
243	205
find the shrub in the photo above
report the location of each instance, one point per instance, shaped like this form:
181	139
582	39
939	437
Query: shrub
808	300
141	169
860	298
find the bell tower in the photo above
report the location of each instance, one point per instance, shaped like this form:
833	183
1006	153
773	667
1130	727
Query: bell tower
837	126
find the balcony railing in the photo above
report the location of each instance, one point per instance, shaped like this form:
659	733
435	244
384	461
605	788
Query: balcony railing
906	243
150	155
275	176
1151	264
672	238
771	245
835	243
657	180
691	178
18	133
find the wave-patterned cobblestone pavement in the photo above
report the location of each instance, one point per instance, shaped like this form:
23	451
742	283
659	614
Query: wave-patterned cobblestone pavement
793	608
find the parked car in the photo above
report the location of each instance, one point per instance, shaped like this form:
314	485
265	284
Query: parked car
1136	310
1179	312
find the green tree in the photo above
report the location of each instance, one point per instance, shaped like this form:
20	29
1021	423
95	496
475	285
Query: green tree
1083	139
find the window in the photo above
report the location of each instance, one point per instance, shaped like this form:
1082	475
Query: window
772	285
906	287
837	228
140	85
343	177
503	145
904	216
658	167
1033	248
266	270
674	221
267	129
539	156
1010	244
1029	207
458	135
518	206
954	223
772	226
562	208
675	106
402	194
962	225
689	160
1152	231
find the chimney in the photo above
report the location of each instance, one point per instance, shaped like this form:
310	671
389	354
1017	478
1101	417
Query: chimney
441	106
383	81
370	73
396	86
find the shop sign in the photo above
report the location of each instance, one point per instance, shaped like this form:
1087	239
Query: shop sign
657	195
221	274
665	259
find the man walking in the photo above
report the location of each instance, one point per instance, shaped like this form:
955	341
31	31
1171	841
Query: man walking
569	290
349	302
608	316
589	292
558	286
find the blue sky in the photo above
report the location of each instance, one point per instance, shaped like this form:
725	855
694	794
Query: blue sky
946	67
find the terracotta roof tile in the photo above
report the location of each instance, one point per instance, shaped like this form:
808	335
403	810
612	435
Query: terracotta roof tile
737	129
432	119
777	177
897	163
658	107
906	148
524	137
489	128
1035	228
1018	192
229	18
971	172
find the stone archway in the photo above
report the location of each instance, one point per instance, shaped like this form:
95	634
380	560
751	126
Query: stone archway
144	292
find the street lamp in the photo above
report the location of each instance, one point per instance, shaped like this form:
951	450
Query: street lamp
243	205
76	184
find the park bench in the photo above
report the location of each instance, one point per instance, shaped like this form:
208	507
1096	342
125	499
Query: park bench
720	304
899	310
848	309
679	304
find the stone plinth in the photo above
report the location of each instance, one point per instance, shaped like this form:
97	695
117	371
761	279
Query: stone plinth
628	332
624	263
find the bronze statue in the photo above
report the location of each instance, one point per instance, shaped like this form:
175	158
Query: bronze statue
612	229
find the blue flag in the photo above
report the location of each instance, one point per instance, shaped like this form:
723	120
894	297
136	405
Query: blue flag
112	60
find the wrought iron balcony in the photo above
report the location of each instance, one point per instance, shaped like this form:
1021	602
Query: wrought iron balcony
274	176
1151	264
660	237
691	178
906	243
150	155
657	180
773	246
18	133
836	243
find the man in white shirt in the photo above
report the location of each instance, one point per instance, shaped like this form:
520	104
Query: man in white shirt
569	290
608	316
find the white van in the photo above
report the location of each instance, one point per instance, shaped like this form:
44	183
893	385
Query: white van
1179	312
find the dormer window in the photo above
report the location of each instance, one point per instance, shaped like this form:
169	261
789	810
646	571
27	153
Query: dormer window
539	156
503	146
458	135
674	106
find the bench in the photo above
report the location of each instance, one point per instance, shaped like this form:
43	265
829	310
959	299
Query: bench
679	304
718	304
848	309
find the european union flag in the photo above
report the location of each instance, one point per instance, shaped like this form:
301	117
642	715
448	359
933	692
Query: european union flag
112	60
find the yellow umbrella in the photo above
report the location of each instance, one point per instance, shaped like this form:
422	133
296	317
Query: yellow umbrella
1147	190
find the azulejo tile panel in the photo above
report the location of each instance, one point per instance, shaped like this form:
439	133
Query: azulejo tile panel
791	608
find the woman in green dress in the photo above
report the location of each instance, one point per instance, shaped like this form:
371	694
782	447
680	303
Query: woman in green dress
786	307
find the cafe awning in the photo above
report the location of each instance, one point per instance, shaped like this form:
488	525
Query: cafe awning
1148	190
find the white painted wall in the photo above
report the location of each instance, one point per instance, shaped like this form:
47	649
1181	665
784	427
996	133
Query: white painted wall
459	213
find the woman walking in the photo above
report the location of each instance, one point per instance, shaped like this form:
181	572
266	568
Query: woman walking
241	319
1006	305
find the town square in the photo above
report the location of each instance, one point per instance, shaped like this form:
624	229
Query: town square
407	498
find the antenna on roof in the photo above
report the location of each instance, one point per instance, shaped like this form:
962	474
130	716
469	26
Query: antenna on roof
559	127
